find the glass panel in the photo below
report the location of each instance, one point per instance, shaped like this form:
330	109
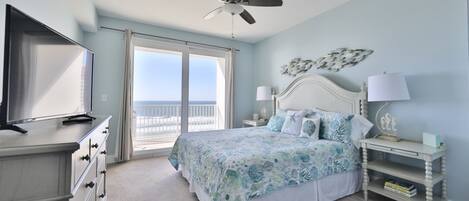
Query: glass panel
206	93
157	98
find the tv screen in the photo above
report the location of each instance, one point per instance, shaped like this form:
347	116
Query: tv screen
46	75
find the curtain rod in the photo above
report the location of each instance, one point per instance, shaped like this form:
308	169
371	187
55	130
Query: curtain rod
173	39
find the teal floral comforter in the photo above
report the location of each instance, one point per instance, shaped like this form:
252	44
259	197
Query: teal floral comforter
242	164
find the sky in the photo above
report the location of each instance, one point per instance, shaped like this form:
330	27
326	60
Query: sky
157	77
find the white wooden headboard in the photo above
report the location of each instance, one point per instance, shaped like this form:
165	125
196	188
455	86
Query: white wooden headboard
315	91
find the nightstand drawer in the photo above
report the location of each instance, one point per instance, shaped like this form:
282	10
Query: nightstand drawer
404	152
392	150
378	148
255	123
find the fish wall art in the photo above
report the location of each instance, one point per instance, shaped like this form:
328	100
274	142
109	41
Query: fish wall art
334	61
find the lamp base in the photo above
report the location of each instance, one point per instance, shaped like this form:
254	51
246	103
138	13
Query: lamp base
391	138
264	112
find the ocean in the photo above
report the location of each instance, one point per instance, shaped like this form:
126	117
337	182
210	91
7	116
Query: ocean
143	103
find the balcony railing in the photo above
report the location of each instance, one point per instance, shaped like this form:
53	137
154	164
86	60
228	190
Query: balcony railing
158	125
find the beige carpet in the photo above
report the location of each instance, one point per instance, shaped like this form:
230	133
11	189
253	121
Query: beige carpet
154	179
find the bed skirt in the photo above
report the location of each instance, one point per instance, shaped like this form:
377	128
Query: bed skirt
326	189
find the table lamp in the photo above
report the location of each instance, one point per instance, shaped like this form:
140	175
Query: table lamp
264	93
386	88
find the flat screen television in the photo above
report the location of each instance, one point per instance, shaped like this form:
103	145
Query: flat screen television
46	75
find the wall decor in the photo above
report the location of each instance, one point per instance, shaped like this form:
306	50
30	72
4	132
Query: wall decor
297	66
334	61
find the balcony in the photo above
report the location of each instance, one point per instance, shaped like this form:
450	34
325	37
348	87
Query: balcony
157	125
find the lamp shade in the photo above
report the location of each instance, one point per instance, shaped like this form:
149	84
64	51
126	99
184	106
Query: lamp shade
264	93
387	87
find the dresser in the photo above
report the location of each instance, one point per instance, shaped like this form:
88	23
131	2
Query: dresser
54	162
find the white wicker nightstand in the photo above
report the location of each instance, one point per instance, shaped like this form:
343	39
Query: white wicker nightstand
426	177
254	123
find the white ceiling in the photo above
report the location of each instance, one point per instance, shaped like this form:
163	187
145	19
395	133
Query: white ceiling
85	14
187	15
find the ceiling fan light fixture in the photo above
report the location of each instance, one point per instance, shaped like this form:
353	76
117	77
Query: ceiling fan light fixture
233	9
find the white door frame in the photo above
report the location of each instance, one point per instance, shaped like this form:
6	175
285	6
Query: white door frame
186	51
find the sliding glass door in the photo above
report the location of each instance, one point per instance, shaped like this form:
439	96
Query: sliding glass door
157	97
176	89
206	91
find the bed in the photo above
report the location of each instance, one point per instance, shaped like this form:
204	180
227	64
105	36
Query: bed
260	165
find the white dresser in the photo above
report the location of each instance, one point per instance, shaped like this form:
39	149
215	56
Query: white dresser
54	162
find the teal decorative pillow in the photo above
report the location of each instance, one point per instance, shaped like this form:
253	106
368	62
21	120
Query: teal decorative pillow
310	128
335	126
275	123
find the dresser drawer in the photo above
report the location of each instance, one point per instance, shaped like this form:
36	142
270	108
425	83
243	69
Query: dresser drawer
97	138
92	197
101	190
81	159
87	188
101	160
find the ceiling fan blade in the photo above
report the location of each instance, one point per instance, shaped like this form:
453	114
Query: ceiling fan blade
269	3
214	13
248	17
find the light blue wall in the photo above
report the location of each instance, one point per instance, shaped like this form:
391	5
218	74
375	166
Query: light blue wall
57	14
425	39
109	67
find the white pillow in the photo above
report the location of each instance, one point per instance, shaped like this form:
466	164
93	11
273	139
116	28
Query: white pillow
310	128
293	121
360	128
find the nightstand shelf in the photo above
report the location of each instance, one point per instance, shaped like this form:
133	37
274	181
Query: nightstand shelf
413	174
426	177
377	187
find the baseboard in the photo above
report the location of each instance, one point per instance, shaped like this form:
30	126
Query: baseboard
111	159
152	153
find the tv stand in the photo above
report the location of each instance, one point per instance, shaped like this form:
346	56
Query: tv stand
13	128
78	119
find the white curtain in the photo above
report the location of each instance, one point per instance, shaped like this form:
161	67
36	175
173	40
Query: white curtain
126	123
229	91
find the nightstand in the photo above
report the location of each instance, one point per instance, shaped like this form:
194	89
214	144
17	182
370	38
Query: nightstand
254	123
419	151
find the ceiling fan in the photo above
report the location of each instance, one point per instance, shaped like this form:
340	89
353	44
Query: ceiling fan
235	7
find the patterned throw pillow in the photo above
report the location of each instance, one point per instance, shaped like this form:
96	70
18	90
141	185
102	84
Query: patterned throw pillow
311	113
292	124
275	123
310	128
335	126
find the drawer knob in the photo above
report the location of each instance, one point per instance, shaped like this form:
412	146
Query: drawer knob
90	185
95	145
107	127
102	195
85	158
103	172
104	131
104	152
